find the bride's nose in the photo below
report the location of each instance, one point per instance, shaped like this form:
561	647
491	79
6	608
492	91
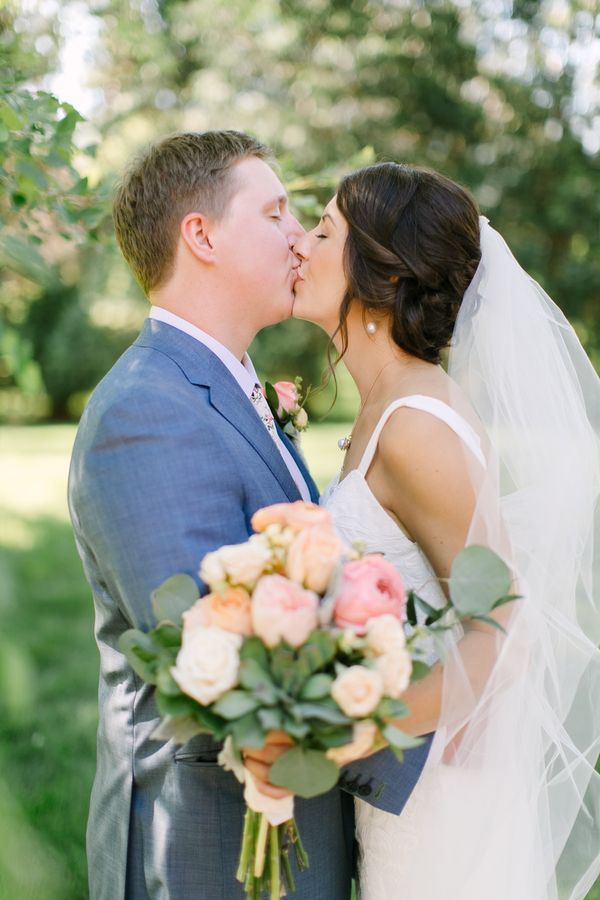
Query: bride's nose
300	247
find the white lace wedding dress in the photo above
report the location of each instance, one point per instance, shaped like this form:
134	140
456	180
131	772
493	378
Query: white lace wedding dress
388	843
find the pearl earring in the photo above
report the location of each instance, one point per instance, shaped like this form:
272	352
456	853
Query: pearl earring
371	327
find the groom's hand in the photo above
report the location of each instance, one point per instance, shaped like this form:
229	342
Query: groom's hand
259	762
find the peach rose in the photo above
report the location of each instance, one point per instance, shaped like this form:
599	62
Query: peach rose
357	691
364	734
236	564
208	663
277	811
395	668
283	611
287	396
296	515
230	611
385	634
313	557
370	587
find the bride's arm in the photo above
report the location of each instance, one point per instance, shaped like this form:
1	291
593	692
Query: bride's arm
425	480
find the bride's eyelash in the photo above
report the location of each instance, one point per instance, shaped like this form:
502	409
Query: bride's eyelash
320	235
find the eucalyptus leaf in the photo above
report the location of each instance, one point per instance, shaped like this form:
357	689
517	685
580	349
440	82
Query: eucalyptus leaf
271	718
478	578
254	678
253	648
323	713
173	597
306	773
389	708
398	739
317	687
142	653
166	684
419	670
336	736
177	728
248	731
295	728
235	704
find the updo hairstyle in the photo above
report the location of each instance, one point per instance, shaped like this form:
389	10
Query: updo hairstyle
412	250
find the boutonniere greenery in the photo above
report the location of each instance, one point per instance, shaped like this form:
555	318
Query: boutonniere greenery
286	400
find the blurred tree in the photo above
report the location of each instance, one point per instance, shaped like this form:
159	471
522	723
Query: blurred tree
500	95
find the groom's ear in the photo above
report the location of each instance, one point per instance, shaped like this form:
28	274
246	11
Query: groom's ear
195	231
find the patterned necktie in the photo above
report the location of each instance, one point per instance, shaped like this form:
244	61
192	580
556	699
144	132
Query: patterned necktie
260	402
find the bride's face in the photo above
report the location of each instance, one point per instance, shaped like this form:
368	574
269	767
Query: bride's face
321	283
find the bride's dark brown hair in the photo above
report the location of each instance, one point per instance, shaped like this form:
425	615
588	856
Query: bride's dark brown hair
412	250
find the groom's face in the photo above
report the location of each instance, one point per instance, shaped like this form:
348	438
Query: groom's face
253	244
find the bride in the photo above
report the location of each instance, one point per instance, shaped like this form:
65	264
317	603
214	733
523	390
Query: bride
503	451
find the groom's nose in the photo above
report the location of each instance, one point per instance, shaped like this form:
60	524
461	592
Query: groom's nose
295	231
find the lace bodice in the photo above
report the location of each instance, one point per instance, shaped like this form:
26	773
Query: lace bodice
358	515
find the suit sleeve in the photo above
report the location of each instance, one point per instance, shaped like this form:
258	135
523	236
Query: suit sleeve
151	492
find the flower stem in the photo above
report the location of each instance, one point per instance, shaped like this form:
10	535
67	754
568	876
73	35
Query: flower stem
247	841
261	846
274	859
301	854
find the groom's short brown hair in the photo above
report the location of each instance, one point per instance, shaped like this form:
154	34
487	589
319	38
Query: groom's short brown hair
181	174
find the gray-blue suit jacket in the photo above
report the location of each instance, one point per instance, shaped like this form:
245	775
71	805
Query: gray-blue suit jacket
171	461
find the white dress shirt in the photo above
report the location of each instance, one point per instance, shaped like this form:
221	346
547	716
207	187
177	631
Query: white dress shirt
244	373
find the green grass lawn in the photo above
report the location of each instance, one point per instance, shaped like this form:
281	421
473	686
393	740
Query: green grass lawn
48	665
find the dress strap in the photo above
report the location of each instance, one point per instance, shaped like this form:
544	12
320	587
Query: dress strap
437	408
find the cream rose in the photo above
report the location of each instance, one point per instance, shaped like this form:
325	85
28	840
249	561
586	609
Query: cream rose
313	556
357	691
385	634
395	669
208	663
364	734
239	565
301	419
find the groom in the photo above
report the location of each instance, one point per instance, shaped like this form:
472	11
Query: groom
174	454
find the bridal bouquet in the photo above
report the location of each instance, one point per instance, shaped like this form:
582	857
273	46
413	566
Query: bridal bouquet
302	635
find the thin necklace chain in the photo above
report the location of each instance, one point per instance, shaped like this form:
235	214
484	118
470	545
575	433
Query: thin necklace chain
345	442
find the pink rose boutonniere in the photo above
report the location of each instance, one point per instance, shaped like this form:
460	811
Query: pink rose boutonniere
287	405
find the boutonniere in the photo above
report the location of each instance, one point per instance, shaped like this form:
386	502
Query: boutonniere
287	405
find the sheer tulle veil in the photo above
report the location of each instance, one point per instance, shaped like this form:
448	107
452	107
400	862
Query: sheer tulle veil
517	799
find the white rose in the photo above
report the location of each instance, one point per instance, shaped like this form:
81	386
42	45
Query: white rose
363	738
357	691
208	663
385	634
245	563
301	419
212	572
395	669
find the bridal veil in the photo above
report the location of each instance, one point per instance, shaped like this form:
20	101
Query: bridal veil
516	813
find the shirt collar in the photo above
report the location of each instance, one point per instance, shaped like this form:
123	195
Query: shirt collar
242	370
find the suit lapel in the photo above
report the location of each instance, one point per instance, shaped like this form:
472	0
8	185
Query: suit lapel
202	367
299	460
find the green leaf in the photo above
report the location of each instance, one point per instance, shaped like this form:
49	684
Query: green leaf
419	670
180	729
142	653
294	728
254	678
20	255
318	651
332	737
306	773
283	666
253	648
323	713
478	578
247	731
389	708
489	621
398	739
168	636
271	718
411	612
166	684
317	687
235	704
173	597
272	397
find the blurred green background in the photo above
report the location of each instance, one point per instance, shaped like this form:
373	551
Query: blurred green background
502	95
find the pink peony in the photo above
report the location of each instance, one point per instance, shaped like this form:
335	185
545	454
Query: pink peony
313	556
370	587
287	396
283	611
296	515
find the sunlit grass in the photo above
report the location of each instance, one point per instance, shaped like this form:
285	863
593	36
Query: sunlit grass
49	667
